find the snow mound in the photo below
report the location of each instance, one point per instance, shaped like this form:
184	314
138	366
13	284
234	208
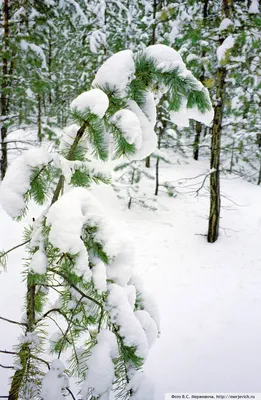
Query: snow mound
94	100
116	72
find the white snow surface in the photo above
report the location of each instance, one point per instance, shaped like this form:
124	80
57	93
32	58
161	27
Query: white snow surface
116	72
100	374
142	386
225	46
208	294
94	101
225	23
17	179
130	126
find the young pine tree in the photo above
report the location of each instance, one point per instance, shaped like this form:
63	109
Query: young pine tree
105	320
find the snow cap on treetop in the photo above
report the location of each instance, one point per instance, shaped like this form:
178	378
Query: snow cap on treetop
94	100
116	72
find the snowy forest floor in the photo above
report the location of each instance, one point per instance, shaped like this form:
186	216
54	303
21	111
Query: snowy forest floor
209	295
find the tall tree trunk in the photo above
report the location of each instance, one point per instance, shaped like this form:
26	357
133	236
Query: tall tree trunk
39	117
199	126
259	175
4	100
197	140
214	213
152	41
25	351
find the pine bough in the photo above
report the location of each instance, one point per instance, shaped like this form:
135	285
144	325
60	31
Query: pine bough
105	321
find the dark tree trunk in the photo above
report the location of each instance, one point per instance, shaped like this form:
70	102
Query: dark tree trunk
152	41
24	353
197	140
4	100
199	126
39	117
214	214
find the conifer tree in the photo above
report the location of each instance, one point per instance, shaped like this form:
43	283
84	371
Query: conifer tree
109	322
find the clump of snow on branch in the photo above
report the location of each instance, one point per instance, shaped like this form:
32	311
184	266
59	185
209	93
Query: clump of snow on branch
55	382
97	39
166	59
225	46
225	23
164	56
67	218
93	167
68	136
148	325
254	7
129	124
100	374
149	108
116	72
184	114
120	270
99	276
95	101
39	262
35	49
121	313
149	137
17	180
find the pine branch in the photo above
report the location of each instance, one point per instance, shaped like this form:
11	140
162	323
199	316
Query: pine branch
81	293
7	366
13	322
70	155
8	352
14	248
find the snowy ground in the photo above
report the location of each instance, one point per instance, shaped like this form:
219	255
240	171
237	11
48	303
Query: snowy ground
209	295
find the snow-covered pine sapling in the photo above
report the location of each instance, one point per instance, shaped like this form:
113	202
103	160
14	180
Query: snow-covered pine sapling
104	317
179	96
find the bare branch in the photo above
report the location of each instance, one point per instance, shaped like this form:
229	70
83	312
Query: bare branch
14	248
13	322
71	393
7	366
8	352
